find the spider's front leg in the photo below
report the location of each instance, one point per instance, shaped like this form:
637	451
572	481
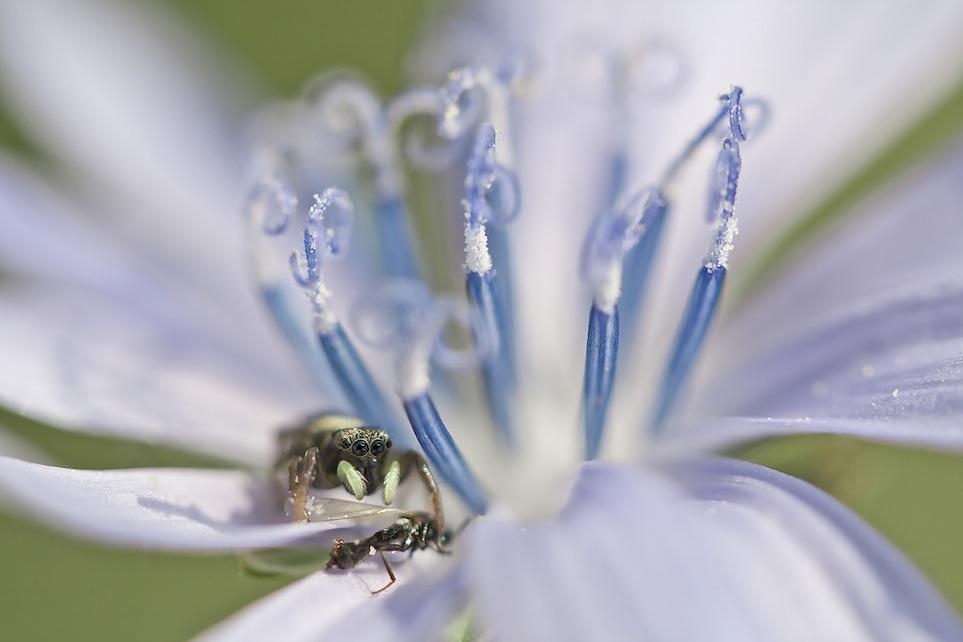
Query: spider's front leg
301	474
399	469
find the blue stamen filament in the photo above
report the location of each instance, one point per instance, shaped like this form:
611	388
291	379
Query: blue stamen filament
482	281
696	320
638	268
707	289
402	316
612	249
612	238
329	220
442	452
601	356
271	205
413	366
623	66
639	261
460	108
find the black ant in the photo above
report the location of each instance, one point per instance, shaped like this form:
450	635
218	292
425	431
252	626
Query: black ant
410	532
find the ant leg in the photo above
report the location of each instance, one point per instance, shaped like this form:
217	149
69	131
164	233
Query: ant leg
441	542
391	574
441	549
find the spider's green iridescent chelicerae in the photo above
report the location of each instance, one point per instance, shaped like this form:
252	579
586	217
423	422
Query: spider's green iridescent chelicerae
329	450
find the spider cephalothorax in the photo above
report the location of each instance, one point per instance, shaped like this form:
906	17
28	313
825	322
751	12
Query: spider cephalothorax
330	450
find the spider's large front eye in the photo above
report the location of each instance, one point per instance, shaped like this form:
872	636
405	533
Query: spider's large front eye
360	448
377	447
344	444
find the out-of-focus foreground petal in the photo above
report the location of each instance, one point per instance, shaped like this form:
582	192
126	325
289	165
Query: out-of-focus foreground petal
49	239
177	509
718	549
46	236
327	607
127	98
103	363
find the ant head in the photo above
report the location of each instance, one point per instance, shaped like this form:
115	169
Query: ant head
346	554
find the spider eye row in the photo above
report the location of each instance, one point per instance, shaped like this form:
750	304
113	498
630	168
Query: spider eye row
360	447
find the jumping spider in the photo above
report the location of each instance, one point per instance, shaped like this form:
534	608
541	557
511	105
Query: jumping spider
329	450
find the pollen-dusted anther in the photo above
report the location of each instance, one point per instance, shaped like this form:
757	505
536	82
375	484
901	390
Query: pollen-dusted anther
329	222
270	207
722	203
484	94
333	212
729	122
472	94
734	104
483	179
709	281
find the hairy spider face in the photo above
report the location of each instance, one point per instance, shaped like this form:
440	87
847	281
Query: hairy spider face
362	446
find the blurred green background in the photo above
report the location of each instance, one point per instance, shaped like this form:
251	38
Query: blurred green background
57	588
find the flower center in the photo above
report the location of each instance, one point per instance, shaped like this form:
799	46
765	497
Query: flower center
403	316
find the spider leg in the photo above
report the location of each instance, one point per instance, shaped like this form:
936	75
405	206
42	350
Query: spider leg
301	473
409	460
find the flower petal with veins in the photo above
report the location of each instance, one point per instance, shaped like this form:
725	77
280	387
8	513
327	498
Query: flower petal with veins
711	549
904	233
891	368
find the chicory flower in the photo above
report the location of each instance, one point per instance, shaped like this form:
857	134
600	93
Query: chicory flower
136	316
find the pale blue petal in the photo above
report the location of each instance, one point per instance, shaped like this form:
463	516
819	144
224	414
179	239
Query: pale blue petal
710	550
721	433
904	234
340	606
122	365
890	368
45	235
135	106
173	509
302	611
892	598
49	237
